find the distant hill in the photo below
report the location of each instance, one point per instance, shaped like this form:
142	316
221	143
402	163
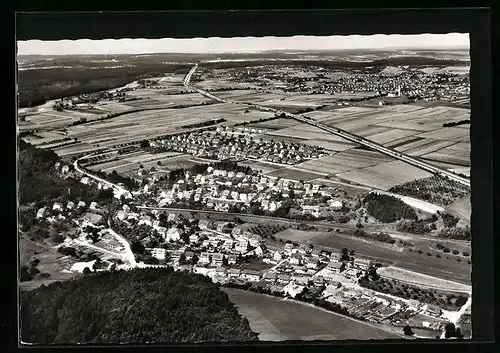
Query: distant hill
136	306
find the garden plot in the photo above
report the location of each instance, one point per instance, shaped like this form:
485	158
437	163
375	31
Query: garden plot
385	175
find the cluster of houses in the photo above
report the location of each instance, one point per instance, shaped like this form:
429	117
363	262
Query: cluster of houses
229	142
220	189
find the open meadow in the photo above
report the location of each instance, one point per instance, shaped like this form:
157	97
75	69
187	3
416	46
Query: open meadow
276	319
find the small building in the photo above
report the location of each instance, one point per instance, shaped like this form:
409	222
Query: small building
194	238
433	310
204	258
296	259
260	250
57	206
362	264
189	255
232	259
42	212
270	277
81	204
203	224
221	271
70	205
319	281
251	275
94	205
217	259
283	278
336	267
234	272
335	257
85	180
158	253
174	234
289	247
414	305
176	254
278	256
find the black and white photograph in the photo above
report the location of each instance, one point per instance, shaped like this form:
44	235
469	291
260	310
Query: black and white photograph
244	189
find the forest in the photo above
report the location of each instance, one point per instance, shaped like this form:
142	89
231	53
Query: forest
387	209
137	306
40	182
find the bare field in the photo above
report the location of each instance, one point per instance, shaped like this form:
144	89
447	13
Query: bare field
386	175
423	280
461	208
276	319
294	174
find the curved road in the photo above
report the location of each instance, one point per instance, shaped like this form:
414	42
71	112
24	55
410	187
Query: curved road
339	132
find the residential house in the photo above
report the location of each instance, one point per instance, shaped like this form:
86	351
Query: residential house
57	206
335	257
362	264
81	204
174	234
221	271
278	256
414	305
189	255
158	253
296	259
318	280
433	310
288	247
313	210
70	205
217	259
171	217
176	254
242	246
203	224
301	280
253	239
335	205
251	275
204	258
42	212
232	259
350	273
85	180
94	206
283	278
270	277
234	272
336	267
236	231
260	250
312	262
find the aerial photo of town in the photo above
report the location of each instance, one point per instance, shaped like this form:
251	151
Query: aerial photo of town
244	189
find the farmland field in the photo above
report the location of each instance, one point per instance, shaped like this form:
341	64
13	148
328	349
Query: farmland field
461	208
276	319
419	279
294	174
385	175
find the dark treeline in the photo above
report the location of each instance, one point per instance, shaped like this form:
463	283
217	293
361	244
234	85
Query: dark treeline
116	178
36	86
39	180
386	208
461	122
204	123
137	306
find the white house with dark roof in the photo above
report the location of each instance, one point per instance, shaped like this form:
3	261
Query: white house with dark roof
232	259
174	234
336	267
204	258
269	277
57	206
362	264
296	259
70	205
217	259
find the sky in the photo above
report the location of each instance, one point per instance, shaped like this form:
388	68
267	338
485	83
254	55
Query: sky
241	44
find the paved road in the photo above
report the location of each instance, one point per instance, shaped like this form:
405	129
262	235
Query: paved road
121	190
339	132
